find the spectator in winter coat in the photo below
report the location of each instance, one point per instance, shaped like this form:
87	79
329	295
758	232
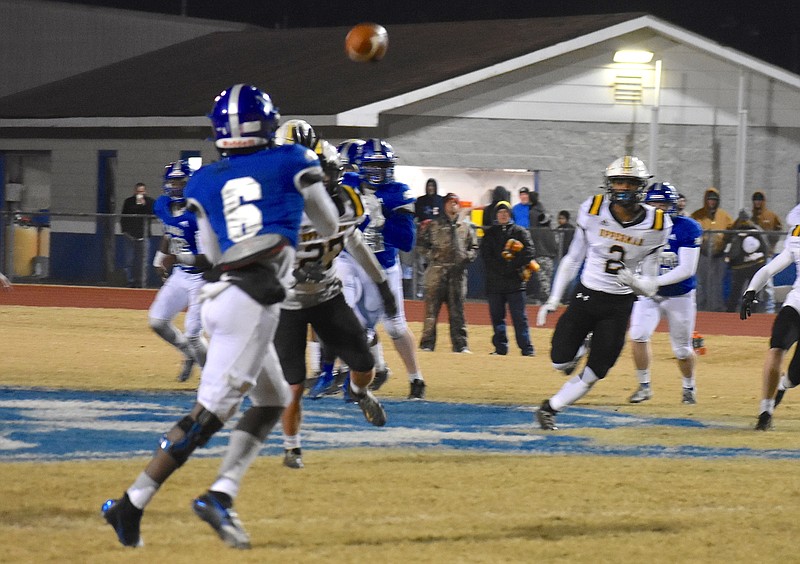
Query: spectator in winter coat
711	269
747	254
449	243
507	252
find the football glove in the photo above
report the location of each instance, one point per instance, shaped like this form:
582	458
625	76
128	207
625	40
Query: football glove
544	309
389	303
528	270
748	300
643	285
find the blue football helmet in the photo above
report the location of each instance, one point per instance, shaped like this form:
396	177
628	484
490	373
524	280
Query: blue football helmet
296	131
375	160
176	175
347	153
243	117
663	193
629	169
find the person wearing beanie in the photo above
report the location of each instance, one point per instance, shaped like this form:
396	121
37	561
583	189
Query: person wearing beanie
712	268
506	251
449	243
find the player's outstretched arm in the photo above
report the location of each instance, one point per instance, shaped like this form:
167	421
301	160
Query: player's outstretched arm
688	259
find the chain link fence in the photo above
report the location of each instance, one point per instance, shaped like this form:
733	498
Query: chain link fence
91	249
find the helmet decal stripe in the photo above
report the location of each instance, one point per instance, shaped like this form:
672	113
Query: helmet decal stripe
233	110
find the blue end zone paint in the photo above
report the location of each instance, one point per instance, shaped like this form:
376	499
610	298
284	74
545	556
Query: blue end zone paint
55	425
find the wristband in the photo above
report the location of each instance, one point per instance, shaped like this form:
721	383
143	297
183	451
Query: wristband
158	260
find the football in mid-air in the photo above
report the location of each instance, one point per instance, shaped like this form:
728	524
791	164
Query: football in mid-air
366	42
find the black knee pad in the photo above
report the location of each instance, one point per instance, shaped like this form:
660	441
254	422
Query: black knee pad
197	433
259	421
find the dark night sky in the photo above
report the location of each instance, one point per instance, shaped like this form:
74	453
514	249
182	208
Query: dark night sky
767	29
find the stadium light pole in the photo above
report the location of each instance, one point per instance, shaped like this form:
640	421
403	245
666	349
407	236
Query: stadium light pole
654	111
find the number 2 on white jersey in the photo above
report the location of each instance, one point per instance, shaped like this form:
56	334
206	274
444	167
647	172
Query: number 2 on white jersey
242	219
613	265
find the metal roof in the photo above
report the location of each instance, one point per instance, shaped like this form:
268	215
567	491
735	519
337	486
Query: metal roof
308	74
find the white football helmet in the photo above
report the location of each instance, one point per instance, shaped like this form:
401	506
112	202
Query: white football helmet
627	168
296	131
331	163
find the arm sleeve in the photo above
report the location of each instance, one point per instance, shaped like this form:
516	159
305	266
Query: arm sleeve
320	209
354	244
568	267
770	269
688	257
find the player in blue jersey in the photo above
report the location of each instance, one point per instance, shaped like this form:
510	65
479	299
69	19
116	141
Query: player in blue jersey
389	228
182	281
249	206
675	298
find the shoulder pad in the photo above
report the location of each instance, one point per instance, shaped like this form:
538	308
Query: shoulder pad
597	202
658	219
352	201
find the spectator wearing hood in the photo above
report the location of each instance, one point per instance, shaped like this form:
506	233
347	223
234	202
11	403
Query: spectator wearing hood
767	220
450	244
426	208
430	205
506	251
499	194
712	268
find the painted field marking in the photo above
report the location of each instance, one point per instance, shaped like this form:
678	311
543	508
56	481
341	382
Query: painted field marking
58	425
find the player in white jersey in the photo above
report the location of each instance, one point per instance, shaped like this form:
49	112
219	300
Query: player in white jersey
249	206
675	299
615	233
785	328
315	298
182	283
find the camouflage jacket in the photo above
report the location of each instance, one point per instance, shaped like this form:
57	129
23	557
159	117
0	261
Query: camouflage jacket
445	242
